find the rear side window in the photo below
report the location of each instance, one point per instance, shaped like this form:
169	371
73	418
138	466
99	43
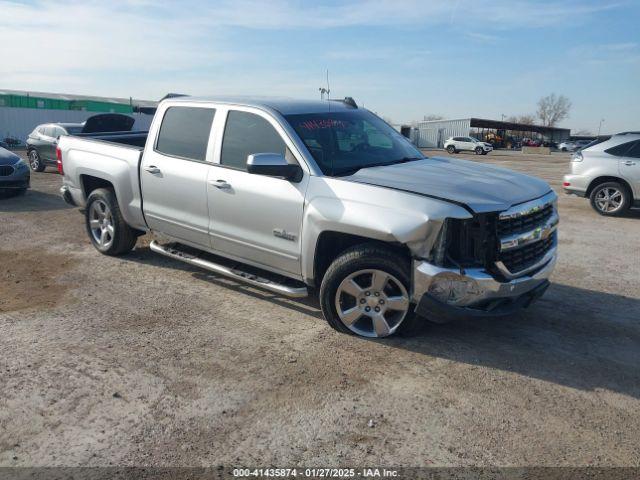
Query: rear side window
185	132
634	151
620	150
245	134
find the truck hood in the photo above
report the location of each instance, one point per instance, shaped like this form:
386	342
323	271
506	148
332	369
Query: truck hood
480	187
7	157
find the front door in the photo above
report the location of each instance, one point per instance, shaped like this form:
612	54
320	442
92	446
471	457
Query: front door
629	166
173	175
255	218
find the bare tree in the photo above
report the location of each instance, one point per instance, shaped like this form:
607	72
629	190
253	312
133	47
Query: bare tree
528	119
523	119
552	109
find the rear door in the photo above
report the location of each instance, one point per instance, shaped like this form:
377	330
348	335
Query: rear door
629	165
48	144
173	174
255	218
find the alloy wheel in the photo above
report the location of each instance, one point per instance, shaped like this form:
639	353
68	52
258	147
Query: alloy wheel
609	199
372	303
101	224
34	160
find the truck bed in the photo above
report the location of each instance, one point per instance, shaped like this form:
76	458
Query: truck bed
106	159
133	139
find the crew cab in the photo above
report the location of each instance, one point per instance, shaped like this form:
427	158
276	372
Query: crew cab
298	196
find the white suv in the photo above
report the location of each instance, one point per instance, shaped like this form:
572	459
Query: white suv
608	173
457	144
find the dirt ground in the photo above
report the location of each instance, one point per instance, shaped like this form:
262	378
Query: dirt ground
141	360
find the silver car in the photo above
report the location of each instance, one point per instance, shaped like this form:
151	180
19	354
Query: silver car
303	196
608	173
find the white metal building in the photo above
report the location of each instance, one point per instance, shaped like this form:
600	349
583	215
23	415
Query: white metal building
433	133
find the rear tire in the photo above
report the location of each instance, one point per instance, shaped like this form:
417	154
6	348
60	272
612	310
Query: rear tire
107	230
451	149
365	292
610	199
35	161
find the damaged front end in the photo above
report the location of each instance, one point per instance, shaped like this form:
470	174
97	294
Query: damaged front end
490	264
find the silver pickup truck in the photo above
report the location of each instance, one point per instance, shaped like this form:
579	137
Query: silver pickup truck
299	196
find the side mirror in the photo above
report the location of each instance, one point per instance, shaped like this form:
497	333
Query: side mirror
273	165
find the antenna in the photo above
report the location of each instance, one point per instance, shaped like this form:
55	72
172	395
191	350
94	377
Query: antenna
328	89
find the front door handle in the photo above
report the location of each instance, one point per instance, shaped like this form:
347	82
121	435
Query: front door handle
629	163
152	169
221	184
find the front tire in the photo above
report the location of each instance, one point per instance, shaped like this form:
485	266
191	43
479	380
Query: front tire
365	292
451	149
108	231
479	150
610	199
35	162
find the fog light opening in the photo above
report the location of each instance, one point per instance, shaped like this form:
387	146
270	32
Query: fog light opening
454	289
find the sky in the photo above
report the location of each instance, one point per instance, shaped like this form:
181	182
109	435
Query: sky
401	59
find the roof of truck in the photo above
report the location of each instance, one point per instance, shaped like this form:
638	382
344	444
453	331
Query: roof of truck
284	105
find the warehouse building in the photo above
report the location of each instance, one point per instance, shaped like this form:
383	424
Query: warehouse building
433	133
22	111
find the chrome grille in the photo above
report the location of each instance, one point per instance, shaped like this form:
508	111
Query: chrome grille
527	236
523	258
6	170
509	226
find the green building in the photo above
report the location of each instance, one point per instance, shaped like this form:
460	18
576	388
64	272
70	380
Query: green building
57	101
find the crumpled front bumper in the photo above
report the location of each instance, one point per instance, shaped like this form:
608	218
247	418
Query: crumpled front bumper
488	298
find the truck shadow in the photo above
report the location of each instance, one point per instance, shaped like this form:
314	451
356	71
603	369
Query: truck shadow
573	337
32	201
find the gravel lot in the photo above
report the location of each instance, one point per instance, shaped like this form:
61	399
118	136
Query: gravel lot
141	360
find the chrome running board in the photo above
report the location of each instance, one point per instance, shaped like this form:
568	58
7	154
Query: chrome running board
171	251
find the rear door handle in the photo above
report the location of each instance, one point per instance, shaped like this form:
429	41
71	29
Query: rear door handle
152	169
629	163
221	184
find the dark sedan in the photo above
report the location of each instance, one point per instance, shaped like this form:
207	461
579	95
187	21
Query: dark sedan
14	173
42	143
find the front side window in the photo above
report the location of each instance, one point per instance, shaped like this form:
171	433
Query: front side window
50	131
344	142
185	132
247	134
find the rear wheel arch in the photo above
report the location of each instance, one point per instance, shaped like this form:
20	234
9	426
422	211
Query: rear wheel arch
604	179
90	183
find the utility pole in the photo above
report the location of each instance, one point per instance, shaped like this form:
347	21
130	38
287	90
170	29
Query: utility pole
600	126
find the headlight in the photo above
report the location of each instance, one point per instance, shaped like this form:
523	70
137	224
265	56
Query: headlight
454	289
20	165
577	157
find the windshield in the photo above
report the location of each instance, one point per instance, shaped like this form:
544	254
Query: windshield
344	142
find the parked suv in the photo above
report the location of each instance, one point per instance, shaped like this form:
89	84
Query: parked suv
458	144
42	142
608	173
571	145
